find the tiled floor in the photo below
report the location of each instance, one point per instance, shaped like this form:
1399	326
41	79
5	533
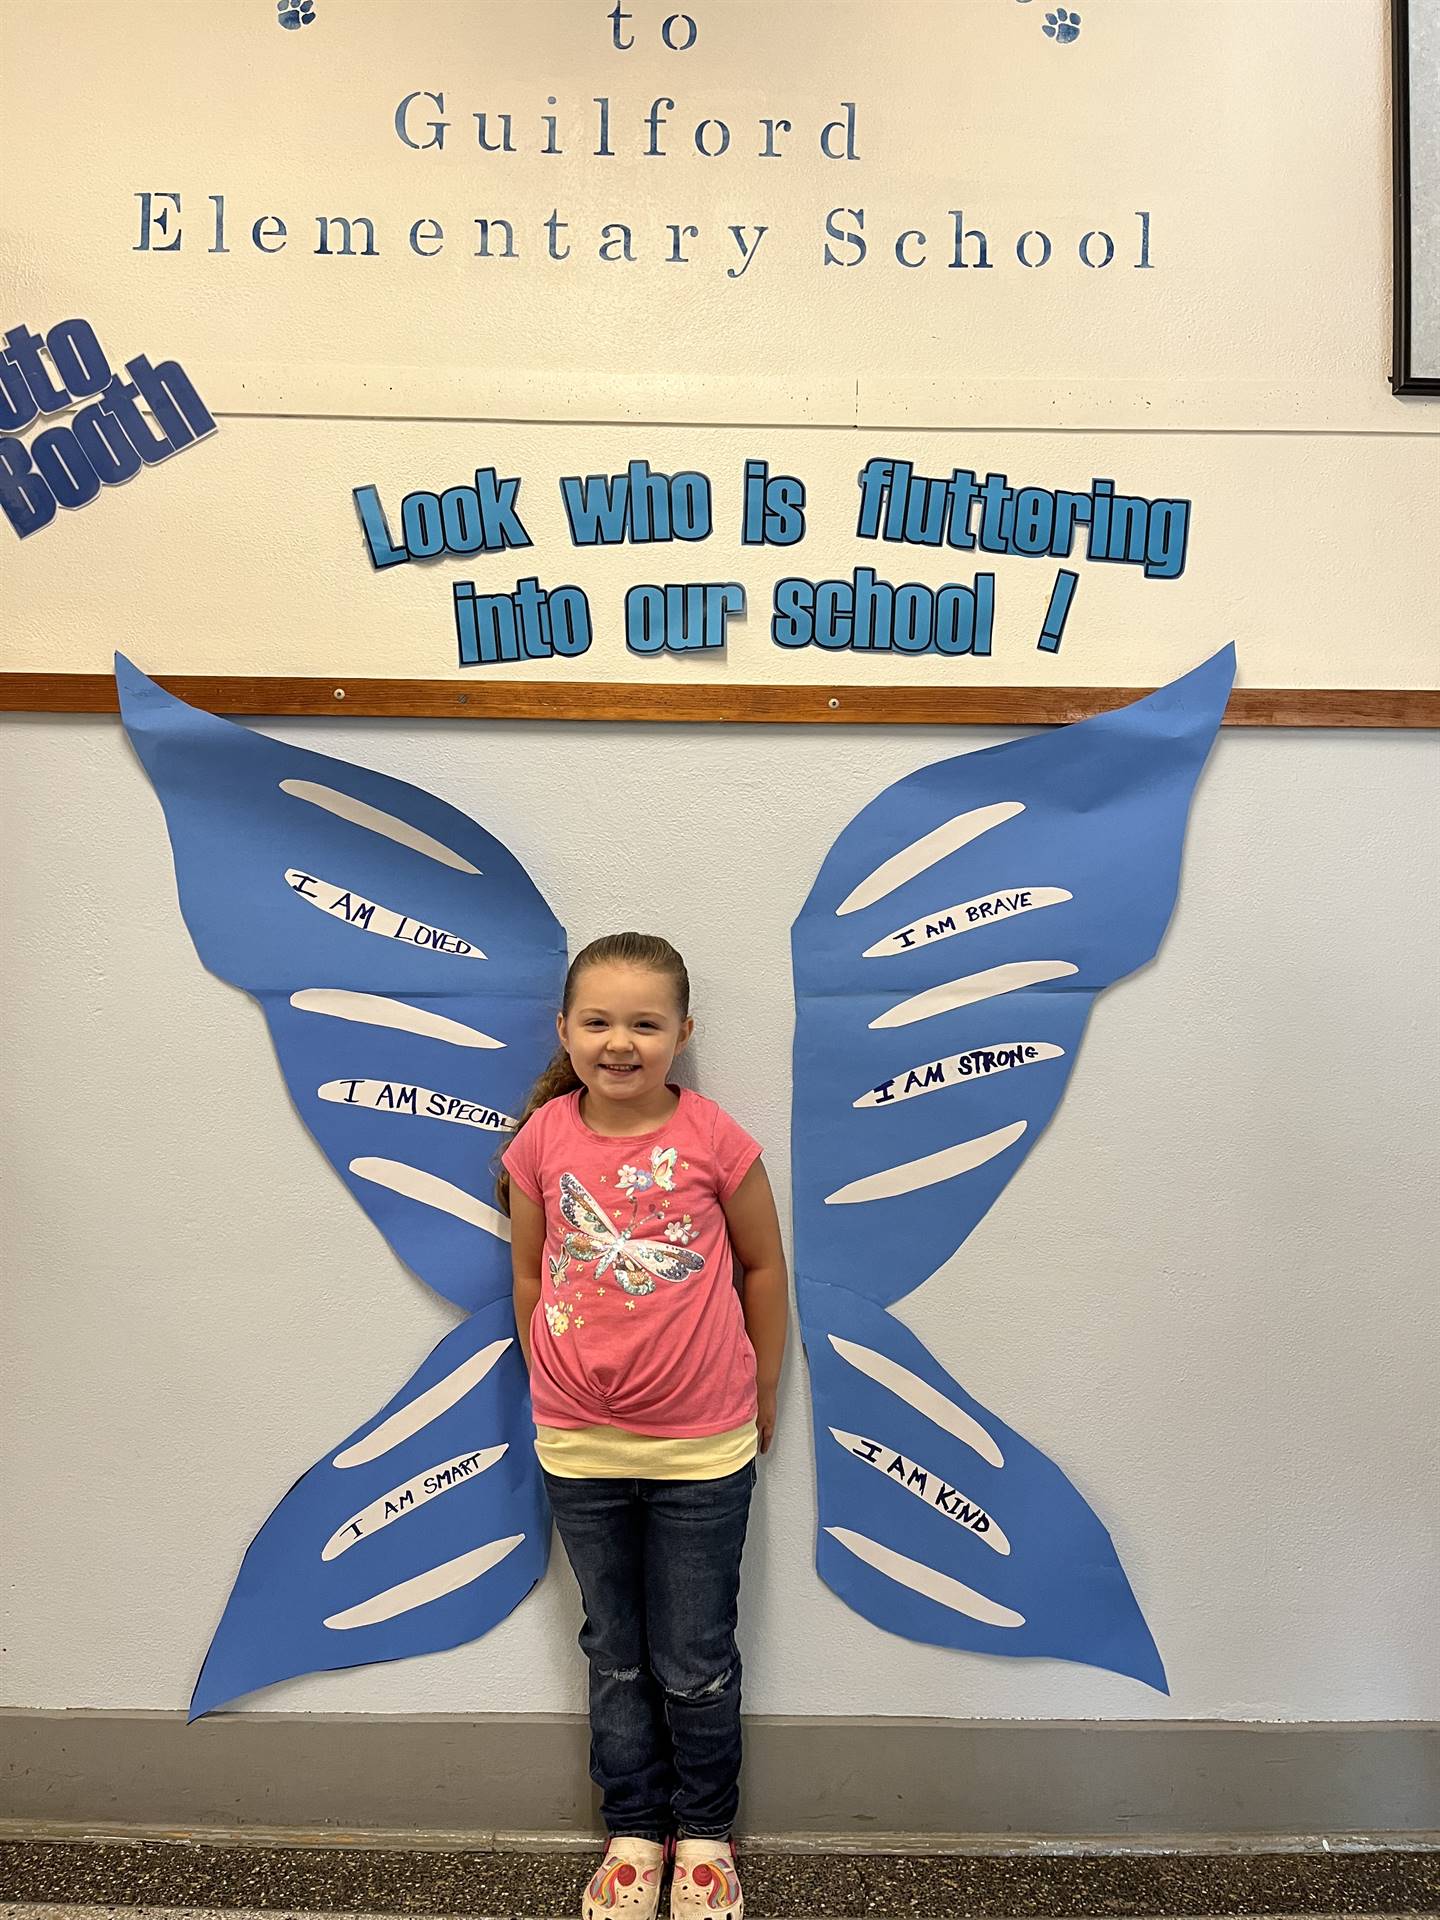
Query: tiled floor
199	1913
186	1877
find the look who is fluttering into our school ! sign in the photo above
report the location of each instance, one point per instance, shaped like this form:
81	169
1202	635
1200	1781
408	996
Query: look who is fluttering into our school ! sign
962	511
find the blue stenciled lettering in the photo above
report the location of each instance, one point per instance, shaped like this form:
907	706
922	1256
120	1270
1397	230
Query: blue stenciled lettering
868	614
638	505
678	619
898	504
484	517
106	443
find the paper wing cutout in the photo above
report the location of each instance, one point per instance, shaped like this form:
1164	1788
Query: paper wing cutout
409	970
405	961
945	963
422	1531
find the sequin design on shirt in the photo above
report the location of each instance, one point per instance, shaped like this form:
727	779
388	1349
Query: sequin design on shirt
595	1242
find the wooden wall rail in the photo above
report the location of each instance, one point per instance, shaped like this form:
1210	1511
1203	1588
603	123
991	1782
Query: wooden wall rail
712	703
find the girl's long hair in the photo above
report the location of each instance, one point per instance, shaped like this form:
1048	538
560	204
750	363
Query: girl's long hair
646	950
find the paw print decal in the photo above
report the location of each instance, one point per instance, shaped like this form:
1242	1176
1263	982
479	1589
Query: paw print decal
295	13
1063	26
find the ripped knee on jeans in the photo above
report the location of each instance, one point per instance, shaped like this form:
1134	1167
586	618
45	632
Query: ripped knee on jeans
621	1673
709	1689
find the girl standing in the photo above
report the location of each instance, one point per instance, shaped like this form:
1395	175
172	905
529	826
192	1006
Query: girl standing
653	1385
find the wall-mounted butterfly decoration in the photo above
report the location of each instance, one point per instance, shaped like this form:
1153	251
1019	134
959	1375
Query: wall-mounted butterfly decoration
409	971
945	963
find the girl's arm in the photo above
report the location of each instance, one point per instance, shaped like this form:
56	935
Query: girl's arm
527	1249
765	1291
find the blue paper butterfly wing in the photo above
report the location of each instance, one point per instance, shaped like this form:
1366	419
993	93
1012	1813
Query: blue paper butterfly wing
1055	864
1001	1558
426	1528
404	1056
244	810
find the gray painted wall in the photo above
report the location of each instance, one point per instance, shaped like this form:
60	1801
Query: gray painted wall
908	1781
1210	1293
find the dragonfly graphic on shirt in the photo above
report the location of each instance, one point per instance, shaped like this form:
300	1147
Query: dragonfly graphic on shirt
636	1264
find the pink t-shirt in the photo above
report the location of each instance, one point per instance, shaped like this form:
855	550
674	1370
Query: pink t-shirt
638	1324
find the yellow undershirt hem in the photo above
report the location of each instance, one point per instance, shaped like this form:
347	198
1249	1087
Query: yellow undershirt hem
614	1453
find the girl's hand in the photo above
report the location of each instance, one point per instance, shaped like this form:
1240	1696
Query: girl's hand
765	1418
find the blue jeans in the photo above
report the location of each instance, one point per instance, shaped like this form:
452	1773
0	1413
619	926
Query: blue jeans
658	1563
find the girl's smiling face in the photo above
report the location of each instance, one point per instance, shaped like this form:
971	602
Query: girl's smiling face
622	1032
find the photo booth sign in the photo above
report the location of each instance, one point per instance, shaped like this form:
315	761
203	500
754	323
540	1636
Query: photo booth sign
858	361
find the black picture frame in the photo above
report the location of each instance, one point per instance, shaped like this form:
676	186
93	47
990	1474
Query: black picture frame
1405	376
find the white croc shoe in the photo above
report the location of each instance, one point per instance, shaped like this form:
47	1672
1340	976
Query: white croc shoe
627	1881
706	1884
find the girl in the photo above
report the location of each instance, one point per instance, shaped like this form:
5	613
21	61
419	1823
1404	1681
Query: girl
653	1387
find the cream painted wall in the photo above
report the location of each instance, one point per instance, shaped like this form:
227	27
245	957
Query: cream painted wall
1234	354
1254	136
1316	554
1210	1294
